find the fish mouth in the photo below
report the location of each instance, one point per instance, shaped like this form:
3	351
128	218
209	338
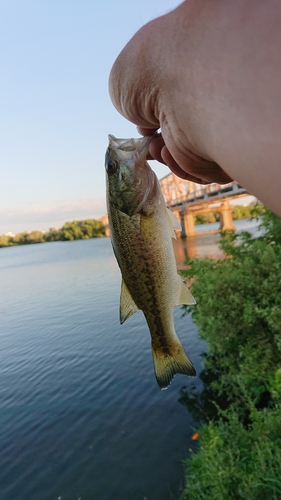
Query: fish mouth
126	149
136	180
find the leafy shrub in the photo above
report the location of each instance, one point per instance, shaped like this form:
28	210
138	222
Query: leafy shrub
237	463
5	241
82	229
239	314
238	310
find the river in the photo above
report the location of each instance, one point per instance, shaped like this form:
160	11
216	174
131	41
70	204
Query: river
81	415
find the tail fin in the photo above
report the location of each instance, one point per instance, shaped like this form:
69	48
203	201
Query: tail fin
168	364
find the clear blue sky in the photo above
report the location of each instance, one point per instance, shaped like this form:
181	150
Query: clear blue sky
55	109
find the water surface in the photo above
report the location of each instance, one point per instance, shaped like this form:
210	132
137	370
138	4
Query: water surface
81	414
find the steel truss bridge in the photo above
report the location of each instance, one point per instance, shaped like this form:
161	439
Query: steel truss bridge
187	199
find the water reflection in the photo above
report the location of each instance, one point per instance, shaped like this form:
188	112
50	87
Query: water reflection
207	245
199	246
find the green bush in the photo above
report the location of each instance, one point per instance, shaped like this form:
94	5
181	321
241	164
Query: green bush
238	312
5	241
82	229
235	462
207	218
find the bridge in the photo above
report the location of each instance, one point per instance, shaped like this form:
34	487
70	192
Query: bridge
188	199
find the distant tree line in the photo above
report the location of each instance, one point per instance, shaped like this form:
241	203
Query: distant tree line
239	212
75	230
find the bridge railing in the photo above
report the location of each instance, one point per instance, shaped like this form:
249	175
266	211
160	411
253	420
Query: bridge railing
204	193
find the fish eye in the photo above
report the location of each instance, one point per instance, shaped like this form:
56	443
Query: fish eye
110	166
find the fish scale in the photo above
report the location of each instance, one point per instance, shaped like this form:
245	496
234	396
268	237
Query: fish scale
141	228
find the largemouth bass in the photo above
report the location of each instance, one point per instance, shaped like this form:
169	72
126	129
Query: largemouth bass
141	228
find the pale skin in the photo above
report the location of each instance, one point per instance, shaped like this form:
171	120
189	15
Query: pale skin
208	74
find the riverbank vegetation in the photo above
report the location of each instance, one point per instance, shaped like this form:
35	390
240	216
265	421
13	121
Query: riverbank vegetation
238	451
75	230
239	212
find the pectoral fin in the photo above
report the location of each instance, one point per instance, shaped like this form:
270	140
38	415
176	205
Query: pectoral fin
184	295
172	222
127	304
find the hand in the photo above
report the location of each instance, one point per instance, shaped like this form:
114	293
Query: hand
191	166
143	90
210	81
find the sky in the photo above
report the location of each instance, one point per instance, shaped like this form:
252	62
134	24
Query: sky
55	110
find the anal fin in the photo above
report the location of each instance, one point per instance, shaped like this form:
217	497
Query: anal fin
184	295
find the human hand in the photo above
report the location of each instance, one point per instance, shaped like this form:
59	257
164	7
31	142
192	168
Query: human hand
190	167
150	84
210	81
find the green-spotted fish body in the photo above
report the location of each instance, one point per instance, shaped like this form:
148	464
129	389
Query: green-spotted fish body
141	228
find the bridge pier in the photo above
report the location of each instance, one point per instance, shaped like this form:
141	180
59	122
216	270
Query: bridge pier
226	221
187	223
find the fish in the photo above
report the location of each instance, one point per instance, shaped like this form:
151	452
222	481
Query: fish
141	231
